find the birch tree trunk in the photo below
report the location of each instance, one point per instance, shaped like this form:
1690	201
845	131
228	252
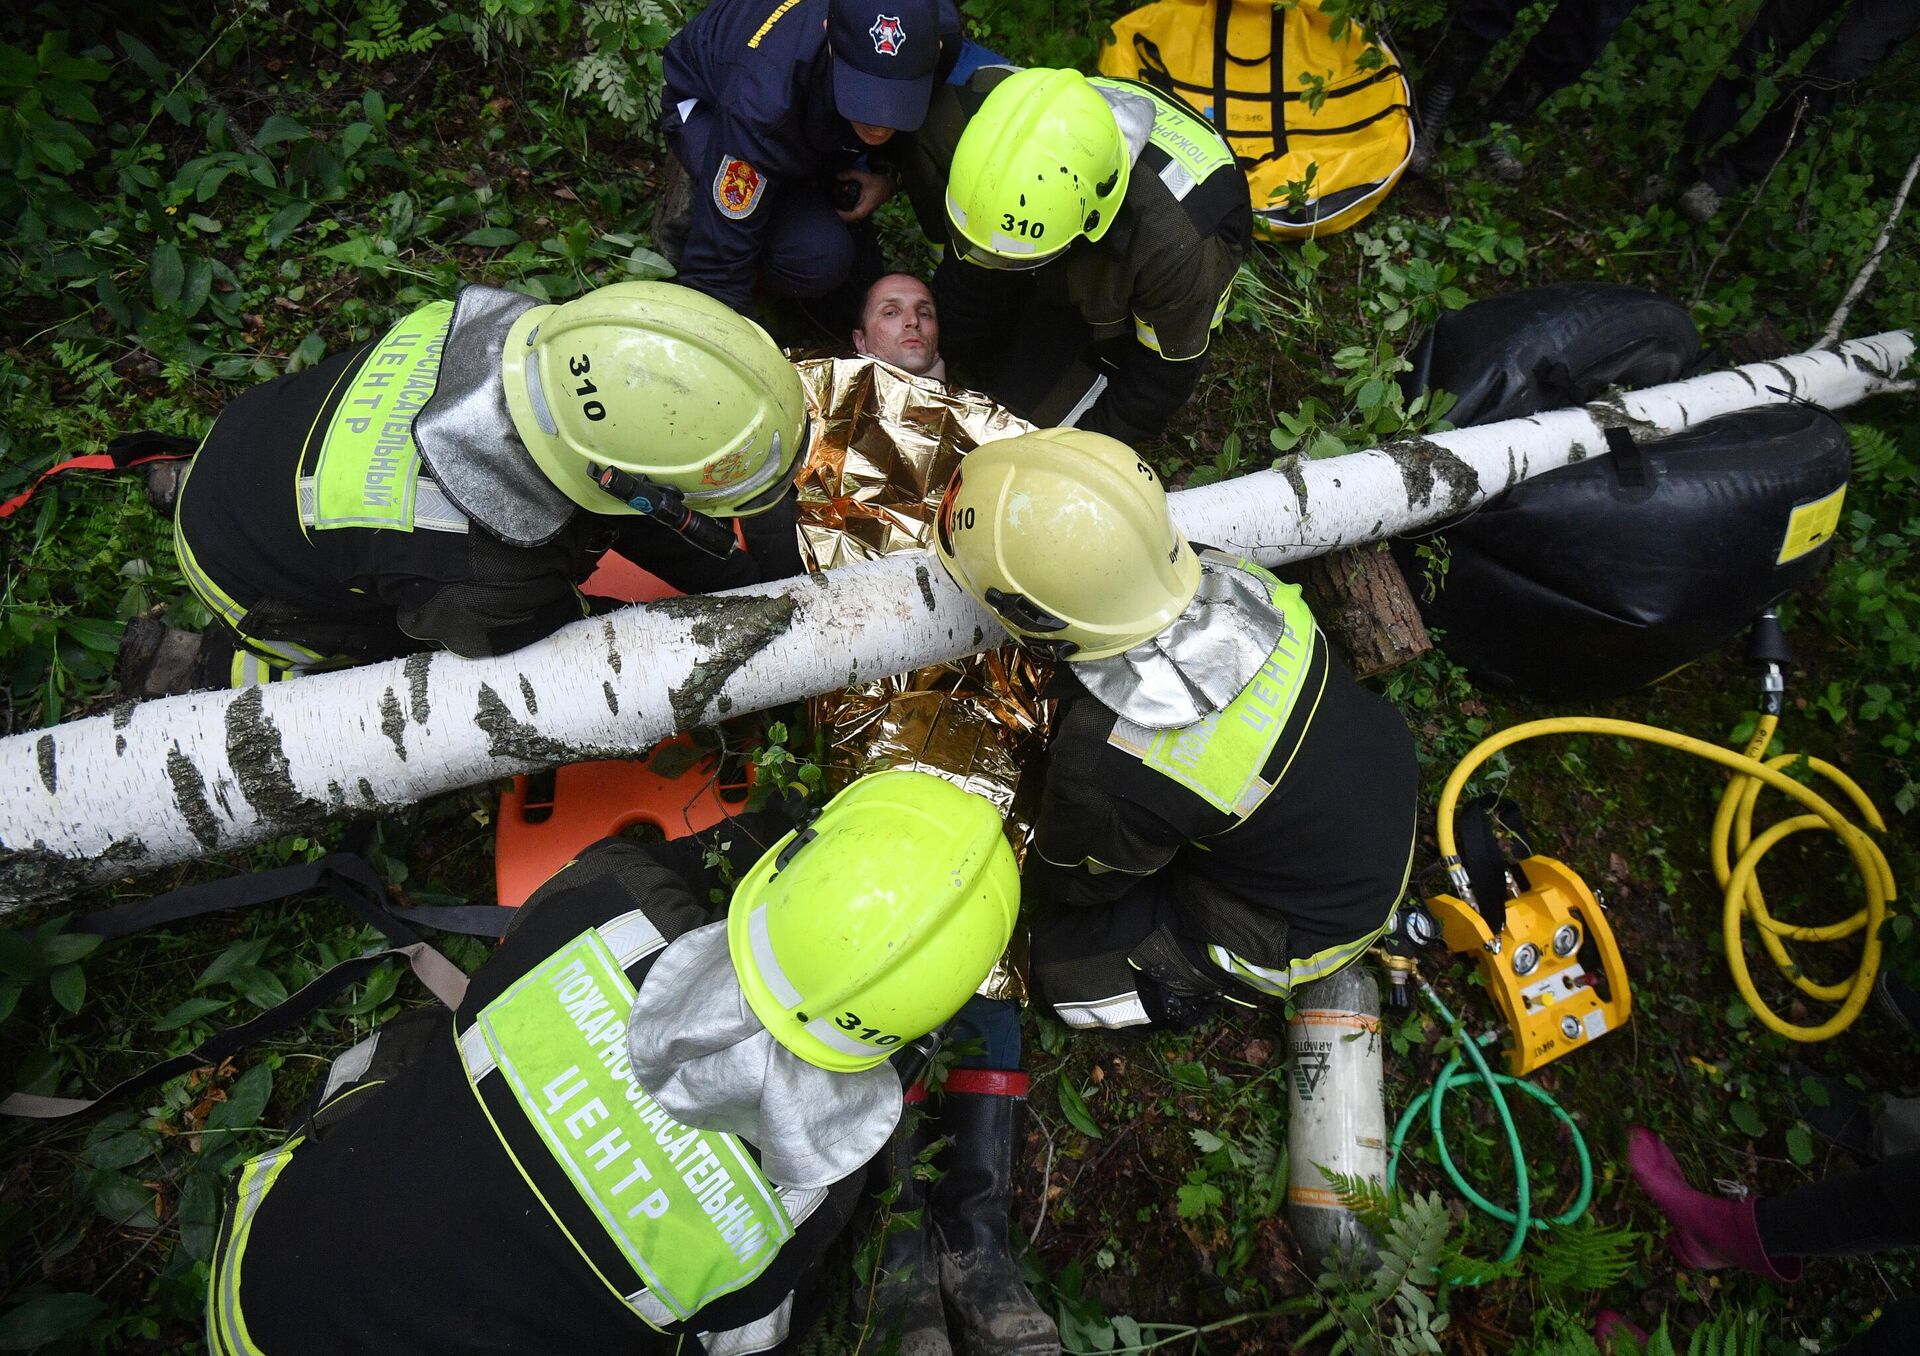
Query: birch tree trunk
166	781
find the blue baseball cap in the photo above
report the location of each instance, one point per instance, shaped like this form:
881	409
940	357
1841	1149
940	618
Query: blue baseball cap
885	53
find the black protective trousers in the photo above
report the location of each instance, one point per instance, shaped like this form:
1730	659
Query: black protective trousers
1867	31
1570	41
1849	1214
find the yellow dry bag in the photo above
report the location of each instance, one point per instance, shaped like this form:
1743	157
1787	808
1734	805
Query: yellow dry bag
1322	137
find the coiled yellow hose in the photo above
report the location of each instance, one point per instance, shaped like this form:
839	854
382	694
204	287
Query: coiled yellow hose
1737	852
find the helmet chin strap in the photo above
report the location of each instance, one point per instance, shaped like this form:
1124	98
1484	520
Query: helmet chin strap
665	506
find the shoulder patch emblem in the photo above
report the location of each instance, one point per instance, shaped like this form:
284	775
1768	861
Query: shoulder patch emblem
737	188
887	34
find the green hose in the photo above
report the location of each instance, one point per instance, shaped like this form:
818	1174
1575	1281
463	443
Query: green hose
1453	1075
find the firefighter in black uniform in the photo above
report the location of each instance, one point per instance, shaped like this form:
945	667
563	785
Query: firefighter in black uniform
770	107
449	484
1093	230
1226	813
643	1126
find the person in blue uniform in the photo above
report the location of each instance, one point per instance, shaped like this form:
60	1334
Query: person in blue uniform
771	107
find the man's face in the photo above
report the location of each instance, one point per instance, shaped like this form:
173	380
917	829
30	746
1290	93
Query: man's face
898	324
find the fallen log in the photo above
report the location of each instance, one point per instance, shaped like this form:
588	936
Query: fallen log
150	784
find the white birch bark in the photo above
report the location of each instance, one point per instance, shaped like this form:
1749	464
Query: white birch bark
167	781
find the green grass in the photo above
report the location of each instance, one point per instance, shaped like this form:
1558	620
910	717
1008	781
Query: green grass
210	196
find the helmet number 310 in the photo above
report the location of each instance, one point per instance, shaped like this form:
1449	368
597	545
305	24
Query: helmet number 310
580	366
847	1021
1032	230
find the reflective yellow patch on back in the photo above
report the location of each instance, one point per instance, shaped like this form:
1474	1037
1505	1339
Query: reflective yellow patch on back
1811	526
364	475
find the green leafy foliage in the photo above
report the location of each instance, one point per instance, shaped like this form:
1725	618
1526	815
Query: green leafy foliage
192	200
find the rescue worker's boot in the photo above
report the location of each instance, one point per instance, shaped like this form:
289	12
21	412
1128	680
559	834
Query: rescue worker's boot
157	660
972	1210
1519	98
906	1286
164	479
1453	70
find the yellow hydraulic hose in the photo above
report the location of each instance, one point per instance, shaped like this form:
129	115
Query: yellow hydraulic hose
1737	853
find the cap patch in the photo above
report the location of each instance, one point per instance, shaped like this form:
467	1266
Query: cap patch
737	188
887	34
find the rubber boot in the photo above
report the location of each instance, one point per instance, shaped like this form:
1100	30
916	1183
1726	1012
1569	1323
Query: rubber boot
1607	1323
972	1210
1709	1232
1454	66
156	660
906	1289
164	479
1516	102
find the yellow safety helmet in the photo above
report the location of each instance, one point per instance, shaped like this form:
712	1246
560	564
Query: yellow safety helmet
641	389
1042	163
874	923
1066	535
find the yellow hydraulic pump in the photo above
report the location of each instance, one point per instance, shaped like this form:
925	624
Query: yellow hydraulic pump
1552	965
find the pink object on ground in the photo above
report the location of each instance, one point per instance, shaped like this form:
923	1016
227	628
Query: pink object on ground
1709	1232
1608	1322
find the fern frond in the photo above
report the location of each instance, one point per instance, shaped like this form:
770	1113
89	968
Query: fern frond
1583	1256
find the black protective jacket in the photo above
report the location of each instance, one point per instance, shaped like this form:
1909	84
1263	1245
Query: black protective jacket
249	544
403	1226
1150	291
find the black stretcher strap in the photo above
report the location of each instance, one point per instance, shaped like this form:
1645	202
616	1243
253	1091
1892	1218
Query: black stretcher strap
352	882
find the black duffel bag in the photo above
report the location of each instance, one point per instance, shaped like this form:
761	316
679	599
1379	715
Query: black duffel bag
1551	347
1603	576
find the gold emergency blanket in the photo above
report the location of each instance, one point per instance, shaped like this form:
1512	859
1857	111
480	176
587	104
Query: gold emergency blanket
884	446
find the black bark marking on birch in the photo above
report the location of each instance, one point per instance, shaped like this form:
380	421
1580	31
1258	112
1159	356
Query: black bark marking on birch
366	792
220	797
49	773
1427	468
979	636
820	580
925	581
1786	375
393	722
1289	467
732	631
1611	412
416	670
260	764
510	737
613	702
37	875
122	713
119	745
613	648
526	695
190	798
336	798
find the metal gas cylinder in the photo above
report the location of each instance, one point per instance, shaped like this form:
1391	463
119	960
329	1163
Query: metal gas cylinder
1338	1114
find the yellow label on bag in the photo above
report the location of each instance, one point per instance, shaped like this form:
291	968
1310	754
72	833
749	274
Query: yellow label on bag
1811	526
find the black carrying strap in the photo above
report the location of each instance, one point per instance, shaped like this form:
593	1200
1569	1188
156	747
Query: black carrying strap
352	882
1628	464
1480	854
123	454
